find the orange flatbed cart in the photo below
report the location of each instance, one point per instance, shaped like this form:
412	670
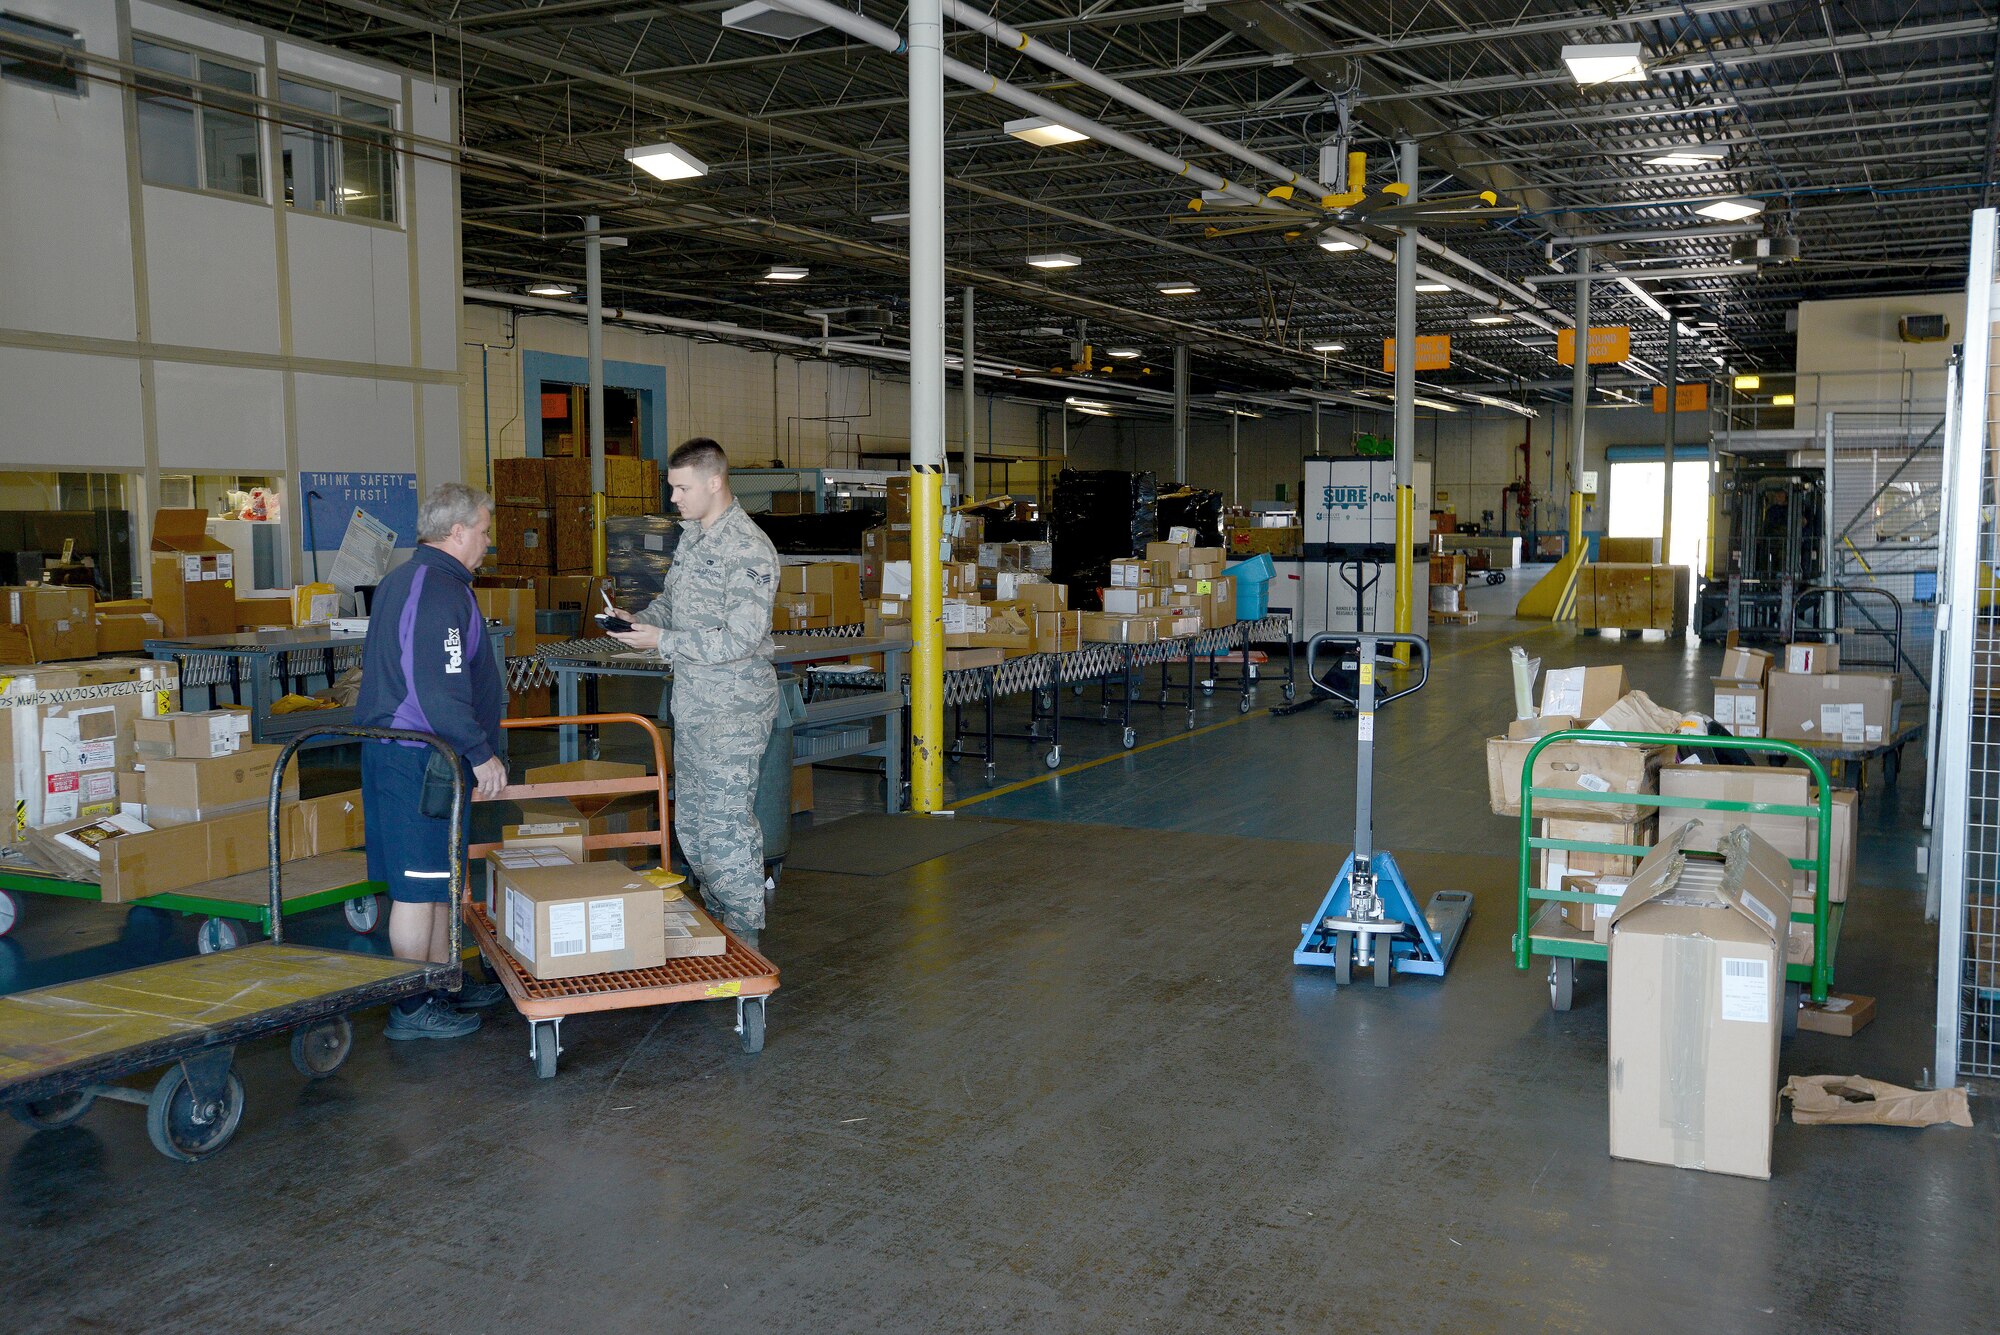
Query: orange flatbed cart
739	974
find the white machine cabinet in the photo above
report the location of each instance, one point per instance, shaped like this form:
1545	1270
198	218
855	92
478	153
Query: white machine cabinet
1349	515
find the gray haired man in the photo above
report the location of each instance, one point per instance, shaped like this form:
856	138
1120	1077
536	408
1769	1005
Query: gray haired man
713	619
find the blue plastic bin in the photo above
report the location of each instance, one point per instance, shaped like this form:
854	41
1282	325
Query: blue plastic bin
1253	586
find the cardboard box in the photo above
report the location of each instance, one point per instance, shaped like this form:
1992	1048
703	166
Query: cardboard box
521	482
1744	665
1736	783
1629	551
1697	985
57	621
562	921
182	790
800	611
127	632
629	477
1044	597
1844	1014
1593	920
1555	865
264	609
601	813
1581	767
1058	632
1448	571
193	583
66	733
1812	658
1583	692
524	536
956	659
1541	726
156	859
1618	596
516	607
1103	628
200	735
329	824
1845	708
838	582
569	477
572	529
1739	706
689	931
802	788
1174	554
564	836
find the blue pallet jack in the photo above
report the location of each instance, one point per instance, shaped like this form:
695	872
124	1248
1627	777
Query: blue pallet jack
1369	918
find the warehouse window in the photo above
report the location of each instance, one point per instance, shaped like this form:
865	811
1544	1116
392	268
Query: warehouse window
345	167
194	131
32	62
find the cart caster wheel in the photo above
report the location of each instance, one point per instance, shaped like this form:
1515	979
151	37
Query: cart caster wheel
1207	689
1343	959
1290	690
56	1113
1794	995
319	1051
10	911
547	1043
1385	961
750	1024
216	934
1243	705
364	913
1131	738
188	1132
1562	983
1496	577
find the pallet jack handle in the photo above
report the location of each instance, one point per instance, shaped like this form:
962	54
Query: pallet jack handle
1366	641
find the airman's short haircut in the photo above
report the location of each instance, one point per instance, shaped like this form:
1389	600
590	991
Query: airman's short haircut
701	454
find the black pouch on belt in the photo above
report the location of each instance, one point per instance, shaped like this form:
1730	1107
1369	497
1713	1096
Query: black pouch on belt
435	799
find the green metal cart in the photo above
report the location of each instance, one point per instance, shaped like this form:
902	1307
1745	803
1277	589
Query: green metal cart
1540	929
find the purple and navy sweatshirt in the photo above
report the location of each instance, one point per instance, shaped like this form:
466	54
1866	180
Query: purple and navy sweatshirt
426	664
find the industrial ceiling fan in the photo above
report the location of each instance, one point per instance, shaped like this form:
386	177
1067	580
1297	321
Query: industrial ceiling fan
1377	214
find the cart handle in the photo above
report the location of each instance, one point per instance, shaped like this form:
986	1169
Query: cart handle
1423	647
454	848
1822	971
656	784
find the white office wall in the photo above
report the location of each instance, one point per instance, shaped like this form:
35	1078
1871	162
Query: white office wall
62	409
219	418
346	422
196	301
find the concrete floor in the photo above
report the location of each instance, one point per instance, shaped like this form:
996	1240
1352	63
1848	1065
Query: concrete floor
1062	1080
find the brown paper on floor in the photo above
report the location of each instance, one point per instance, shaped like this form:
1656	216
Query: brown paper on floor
1857	1100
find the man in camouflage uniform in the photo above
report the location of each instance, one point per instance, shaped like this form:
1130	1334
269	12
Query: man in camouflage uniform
713	621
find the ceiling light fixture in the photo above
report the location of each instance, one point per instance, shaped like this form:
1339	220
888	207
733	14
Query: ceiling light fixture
900	218
786	273
1433	287
549	288
669	162
1054	259
1329	347
1731	210
1746	382
1492	319
770	21
1688	157
1782	400
1178	289
1123	354
1605	62
1043	132
1334	247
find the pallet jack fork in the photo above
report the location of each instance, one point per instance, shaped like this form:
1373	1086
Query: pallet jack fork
1369	918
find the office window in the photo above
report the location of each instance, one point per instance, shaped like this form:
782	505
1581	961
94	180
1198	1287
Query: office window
345	166
32	62
200	138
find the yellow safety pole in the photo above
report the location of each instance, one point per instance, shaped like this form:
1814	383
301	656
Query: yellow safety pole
927	629
1406	566
600	508
1405	419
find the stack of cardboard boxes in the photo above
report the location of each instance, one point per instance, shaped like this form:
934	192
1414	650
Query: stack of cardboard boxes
541	521
1812	700
1447	583
817	595
1176	589
1739	691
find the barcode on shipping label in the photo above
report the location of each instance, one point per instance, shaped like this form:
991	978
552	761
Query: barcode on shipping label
1829	719
568	930
1593	783
1746	990
1725	709
1853	723
607	924
1756	906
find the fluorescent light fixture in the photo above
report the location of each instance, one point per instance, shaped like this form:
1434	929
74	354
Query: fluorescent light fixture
1043	132
1688	157
770	21
786	273
1178	289
1438	404
547	288
1731	210
1746	382
1605	62
1329	347
669	162
1336	247
1492	319
1241	412
1122	354
1782	400
898	219
1708	324
1433	287
1054	259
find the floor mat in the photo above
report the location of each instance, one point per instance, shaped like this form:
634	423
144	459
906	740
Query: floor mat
877	844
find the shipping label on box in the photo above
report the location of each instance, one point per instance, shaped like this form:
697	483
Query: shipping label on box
1582	692
1812	658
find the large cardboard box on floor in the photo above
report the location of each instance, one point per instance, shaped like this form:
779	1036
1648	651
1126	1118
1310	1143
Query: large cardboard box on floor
1845	708
1697	986
1616	596
193	584
1579	767
53	622
66	733
565	920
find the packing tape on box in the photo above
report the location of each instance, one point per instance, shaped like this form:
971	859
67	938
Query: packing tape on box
1687	1000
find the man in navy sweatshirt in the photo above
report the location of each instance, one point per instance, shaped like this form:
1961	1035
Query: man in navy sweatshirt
427	666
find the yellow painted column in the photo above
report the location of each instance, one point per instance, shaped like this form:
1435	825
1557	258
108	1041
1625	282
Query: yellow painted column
927	632
599	511
1406	568
1576	522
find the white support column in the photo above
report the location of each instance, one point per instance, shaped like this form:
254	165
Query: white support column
1180	412
593	283
967	493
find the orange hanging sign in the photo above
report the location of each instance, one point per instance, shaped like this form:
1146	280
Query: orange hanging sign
1433	352
1687	399
1608	343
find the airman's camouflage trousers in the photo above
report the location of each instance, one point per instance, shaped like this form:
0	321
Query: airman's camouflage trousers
722	725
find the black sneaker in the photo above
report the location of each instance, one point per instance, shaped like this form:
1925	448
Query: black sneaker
433	1019
478	996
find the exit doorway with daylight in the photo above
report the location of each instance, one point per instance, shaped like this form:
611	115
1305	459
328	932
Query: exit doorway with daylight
1636	497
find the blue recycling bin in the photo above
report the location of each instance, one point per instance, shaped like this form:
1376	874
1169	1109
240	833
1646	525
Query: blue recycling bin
1253	586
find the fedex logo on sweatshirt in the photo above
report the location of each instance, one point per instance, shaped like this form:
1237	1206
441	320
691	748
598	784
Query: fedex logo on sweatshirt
454	651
